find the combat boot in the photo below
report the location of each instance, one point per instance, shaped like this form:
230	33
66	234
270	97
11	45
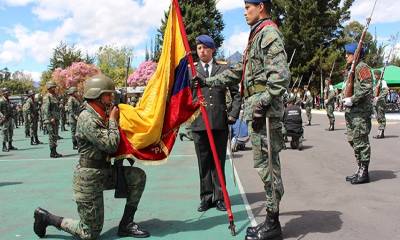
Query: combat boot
128	228
37	140
33	141
11	147
362	176
54	153
269	230
381	134
309	122
5	147
43	219
351	177
74	143
331	126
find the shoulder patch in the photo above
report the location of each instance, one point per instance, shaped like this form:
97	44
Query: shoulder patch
365	74
220	62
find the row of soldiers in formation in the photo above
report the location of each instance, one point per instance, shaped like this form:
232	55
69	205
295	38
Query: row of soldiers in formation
46	113
332	96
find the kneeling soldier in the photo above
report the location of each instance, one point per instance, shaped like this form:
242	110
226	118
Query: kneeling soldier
98	137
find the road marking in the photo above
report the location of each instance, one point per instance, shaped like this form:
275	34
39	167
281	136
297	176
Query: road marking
242	192
69	159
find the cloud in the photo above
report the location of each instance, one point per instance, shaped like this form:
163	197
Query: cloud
226	5
16	2
35	75
87	23
236	42
385	12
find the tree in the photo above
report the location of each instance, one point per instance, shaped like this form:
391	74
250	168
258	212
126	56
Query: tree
19	82
142	74
44	78
313	28
113	61
5	74
199	17
64	55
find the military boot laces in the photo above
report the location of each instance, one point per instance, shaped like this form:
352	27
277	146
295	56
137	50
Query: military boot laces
5	147
128	228
270	229
43	219
362	176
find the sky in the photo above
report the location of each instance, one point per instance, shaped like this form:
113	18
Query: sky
31	29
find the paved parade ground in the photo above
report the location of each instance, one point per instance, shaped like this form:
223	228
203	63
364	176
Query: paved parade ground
318	203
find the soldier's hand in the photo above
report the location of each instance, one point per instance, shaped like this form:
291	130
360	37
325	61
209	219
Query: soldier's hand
231	120
259	114
347	102
198	82
114	114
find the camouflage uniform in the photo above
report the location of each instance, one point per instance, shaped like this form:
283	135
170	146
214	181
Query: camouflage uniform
266	78
73	109
308	105
330	105
32	118
27	123
380	105
6	123
358	117
97	141
63	115
51	120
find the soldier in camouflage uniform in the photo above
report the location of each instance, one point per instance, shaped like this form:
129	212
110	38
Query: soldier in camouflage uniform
98	138
265	78
329	101
358	116
308	103
26	122
73	109
6	120
381	93
51	117
63	115
32	115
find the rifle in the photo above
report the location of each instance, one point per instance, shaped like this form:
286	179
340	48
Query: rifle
308	84
348	91
301	79
291	59
294	84
333	67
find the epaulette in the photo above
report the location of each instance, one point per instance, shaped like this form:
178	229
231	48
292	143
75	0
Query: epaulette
220	62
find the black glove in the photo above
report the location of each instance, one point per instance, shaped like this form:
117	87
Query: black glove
198	81
259	114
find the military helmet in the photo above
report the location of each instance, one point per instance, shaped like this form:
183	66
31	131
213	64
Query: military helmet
5	90
30	93
50	84
291	98
72	90
97	85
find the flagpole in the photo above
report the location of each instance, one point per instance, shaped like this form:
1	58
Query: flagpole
204	114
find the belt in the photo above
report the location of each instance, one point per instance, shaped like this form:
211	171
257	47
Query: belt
249	91
92	163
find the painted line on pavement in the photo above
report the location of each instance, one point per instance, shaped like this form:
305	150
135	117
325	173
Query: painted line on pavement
69	159
241	190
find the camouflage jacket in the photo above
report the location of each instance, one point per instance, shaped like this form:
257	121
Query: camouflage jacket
30	108
266	74
5	110
50	108
383	92
362	91
331	93
96	140
73	108
309	99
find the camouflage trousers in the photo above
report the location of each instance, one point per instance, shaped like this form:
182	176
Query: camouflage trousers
73	131
273	184
53	134
329	112
380	109
308	113
27	125
33	128
358	129
88	187
7	131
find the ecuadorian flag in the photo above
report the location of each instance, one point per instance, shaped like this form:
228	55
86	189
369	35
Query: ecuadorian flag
149	130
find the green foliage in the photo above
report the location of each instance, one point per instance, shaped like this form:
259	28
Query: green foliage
313	28
46	77
112	61
18	83
5	75
64	55
200	17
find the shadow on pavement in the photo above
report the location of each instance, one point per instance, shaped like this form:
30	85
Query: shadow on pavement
377	175
70	155
26	149
161	228
55	236
2	184
391	136
311	221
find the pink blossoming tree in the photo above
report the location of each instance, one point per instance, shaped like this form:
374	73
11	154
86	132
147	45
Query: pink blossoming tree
142	74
